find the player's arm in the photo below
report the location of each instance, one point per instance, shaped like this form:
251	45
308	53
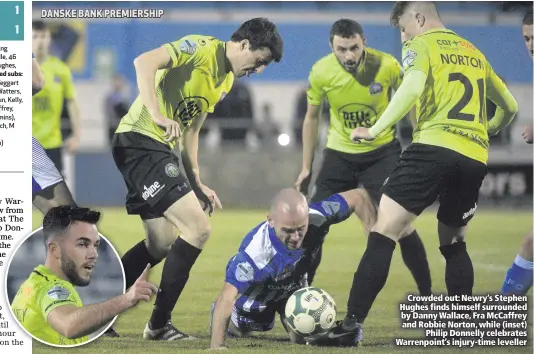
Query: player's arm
339	207
146	65
416	65
221	315
190	161
72	321
38	79
190	151
397	75
499	94
239	277
72	142
310	127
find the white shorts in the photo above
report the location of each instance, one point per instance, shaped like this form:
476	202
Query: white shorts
44	172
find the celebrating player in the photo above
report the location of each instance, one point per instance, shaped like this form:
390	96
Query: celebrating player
358	82
519	277
47	304
48	103
48	187
449	78
273	260
179	84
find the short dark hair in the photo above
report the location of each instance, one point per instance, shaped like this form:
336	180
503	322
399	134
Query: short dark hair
39	26
58	219
398	10
527	18
401	6
345	28
261	33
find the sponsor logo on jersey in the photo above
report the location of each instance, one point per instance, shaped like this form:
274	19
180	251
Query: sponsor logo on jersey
357	115
152	190
188	47
172	170
375	88
58	293
244	272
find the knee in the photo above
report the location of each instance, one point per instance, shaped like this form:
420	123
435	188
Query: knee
203	234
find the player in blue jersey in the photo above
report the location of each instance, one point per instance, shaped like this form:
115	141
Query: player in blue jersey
519	277
48	187
273	260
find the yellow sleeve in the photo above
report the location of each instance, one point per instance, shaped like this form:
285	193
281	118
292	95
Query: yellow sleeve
499	94
402	102
55	295
186	50
396	74
415	56
68	84
315	90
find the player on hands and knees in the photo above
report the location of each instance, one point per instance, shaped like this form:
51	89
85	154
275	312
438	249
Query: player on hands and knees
519	277
47	304
448	156
357	81
179	84
274	258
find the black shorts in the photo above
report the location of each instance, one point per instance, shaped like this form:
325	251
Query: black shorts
56	155
152	174
342	171
427	173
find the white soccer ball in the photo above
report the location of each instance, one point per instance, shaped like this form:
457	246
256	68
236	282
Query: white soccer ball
310	312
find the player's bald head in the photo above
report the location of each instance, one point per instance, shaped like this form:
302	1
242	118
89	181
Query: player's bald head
427	9
288	201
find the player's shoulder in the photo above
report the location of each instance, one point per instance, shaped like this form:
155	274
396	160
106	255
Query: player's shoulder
58	64
191	43
324	65
384	59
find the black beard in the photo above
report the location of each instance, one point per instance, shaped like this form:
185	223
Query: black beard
69	269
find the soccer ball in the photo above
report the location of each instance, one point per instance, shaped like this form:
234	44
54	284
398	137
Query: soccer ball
310	312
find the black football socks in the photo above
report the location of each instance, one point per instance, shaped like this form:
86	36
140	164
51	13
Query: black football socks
459	274
414	256
371	275
179	262
134	262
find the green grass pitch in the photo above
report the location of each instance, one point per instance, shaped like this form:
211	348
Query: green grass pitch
493	241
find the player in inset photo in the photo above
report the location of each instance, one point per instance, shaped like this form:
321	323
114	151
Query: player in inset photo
70	294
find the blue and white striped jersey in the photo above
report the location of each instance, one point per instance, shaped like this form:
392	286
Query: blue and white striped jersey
265	272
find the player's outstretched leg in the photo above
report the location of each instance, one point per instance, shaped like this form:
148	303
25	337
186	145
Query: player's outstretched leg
414	256
518	279
187	215
373	270
52	196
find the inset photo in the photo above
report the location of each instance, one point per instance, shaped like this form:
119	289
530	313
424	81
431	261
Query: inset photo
65	282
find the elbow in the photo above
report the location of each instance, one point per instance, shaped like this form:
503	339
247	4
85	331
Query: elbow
67	331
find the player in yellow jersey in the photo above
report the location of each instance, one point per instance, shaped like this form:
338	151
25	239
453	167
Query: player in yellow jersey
519	277
47	304
48	187
48	103
179	84
449	78
358	82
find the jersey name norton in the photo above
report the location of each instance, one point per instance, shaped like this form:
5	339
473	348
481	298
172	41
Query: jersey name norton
355	100
41	293
265	271
451	112
198	80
